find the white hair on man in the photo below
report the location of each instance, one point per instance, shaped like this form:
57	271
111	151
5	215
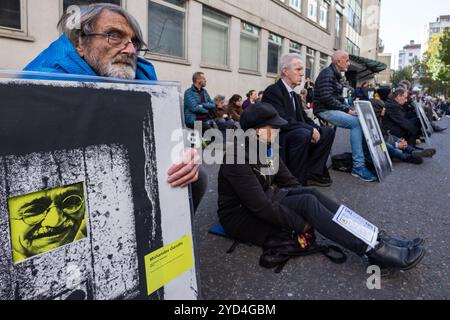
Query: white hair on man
286	61
338	55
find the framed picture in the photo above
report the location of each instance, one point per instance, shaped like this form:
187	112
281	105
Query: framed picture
427	128
84	203
374	138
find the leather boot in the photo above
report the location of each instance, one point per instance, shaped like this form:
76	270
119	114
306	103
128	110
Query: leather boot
400	242
386	255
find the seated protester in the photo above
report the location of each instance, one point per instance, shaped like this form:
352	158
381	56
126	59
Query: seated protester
106	43
395	120
398	148
252	96
408	107
260	96
198	103
305	145
330	105
220	115
362	93
256	205
234	107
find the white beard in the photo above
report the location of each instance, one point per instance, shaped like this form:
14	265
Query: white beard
118	68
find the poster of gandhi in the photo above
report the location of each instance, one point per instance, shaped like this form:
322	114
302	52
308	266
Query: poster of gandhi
80	203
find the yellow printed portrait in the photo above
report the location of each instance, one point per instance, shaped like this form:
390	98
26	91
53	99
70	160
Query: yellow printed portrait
46	220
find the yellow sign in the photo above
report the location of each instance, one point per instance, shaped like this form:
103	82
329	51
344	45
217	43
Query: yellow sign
168	263
384	148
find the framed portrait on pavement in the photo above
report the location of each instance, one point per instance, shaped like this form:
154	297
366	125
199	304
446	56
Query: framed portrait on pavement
374	138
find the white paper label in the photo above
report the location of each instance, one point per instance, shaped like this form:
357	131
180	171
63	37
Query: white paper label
357	225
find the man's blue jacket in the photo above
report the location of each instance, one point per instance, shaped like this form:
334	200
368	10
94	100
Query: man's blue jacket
62	57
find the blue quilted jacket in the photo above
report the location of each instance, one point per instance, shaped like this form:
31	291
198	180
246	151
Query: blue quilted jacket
62	57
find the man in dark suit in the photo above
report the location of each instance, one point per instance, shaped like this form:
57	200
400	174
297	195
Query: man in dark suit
305	147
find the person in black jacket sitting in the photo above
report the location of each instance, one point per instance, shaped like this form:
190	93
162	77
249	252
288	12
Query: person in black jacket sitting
305	146
330	105
257	199
395	119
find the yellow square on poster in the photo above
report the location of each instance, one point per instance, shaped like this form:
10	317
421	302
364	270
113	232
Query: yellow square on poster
168	263
384	148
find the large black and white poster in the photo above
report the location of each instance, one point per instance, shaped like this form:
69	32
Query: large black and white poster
83	198
374	138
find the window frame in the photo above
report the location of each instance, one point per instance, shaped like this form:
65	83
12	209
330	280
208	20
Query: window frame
296	7
322	5
295	50
280	51
258	38
222	24
165	57
308	15
22	33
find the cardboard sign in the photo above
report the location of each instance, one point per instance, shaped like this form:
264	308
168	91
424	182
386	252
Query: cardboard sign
83	192
374	138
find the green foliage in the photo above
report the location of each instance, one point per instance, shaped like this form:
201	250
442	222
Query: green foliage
405	73
434	70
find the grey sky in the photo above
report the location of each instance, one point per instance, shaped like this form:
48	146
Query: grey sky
405	20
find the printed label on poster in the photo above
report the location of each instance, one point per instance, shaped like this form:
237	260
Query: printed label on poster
357	225
168	263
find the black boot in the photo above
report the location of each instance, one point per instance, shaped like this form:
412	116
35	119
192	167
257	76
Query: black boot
401	242
411	159
386	255
426	153
436	128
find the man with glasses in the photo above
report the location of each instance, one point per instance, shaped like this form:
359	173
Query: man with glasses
105	40
46	220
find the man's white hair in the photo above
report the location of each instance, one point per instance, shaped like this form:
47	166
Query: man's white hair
286	61
338	54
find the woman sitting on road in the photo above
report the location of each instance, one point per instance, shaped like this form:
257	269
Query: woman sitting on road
255	205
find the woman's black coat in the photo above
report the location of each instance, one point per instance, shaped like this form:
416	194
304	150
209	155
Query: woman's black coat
249	201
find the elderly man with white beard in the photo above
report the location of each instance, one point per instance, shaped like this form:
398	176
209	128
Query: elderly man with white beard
105	40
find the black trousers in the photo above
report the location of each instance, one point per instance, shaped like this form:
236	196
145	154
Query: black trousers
311	206
304	158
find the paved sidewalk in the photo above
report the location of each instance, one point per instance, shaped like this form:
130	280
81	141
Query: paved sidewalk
413	201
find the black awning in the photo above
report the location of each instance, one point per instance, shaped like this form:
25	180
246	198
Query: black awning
364	67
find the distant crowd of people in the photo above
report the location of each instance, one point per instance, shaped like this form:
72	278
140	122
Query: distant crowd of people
307	124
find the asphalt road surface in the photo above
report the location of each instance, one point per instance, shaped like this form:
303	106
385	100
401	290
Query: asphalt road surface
413	201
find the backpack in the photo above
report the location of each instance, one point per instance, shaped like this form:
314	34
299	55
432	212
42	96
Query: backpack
280	248
342	162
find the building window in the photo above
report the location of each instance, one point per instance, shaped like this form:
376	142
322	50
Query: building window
249	50
274	53
68	3
10	14
323	14
312	10
323	61
352	48
309	70
354	13
338	28
215	37
296	4
166	27
295	47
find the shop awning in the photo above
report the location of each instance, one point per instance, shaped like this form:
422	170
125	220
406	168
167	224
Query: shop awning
363	69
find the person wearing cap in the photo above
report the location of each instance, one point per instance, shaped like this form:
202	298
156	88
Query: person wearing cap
305	145
257	204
